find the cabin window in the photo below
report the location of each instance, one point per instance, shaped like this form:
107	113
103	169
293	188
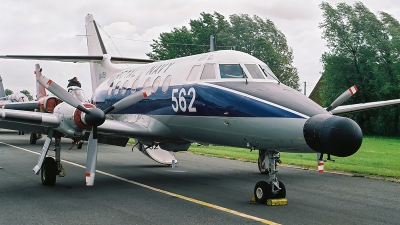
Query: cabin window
156	84
134	86
166	83
147	83
208	72
110	88
231	71
268	73
116	90
124	87
254	71
193	73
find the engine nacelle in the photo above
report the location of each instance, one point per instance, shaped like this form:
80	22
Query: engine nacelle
72	124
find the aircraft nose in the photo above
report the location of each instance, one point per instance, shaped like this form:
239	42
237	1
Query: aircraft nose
334	135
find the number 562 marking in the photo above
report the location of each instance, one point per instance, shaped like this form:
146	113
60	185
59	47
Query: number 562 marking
180	101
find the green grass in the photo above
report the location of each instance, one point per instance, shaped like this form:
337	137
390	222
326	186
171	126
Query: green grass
378	156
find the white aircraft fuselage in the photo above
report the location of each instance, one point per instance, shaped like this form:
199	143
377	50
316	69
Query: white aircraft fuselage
196	101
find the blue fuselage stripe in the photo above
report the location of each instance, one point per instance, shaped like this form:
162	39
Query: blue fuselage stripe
208	101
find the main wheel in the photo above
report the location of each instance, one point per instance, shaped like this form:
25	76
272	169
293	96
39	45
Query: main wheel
33	138
282	192
48	173
263	192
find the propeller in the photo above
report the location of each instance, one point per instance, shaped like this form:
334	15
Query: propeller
342	98
93	117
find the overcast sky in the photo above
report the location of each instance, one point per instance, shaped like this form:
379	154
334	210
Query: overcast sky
53	28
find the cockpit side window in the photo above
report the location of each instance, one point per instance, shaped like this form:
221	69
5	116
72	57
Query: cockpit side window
254	71
231	71
267	71
194	72
208	72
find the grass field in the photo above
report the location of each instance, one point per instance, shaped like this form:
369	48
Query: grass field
378	156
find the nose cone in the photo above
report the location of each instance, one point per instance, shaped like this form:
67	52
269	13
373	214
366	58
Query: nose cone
334	135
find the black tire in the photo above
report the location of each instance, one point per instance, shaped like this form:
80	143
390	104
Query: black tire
263	192
33	138
79	145
282	192
48	173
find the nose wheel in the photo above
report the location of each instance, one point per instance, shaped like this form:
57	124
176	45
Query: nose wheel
273	188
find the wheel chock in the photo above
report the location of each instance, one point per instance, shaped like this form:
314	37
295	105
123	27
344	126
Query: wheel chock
271	202
277	201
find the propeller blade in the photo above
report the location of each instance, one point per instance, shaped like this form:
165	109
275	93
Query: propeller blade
130	100
342	98
91	159
61	93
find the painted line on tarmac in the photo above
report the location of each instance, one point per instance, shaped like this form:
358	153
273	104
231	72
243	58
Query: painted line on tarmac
162	191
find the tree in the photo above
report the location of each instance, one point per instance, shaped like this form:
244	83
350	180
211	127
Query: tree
8	92
252	35
26	92
362	51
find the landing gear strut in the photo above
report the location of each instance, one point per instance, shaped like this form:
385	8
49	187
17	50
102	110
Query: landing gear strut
273	188
48	166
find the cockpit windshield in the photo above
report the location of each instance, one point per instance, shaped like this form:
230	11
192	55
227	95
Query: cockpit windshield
231	71
78	94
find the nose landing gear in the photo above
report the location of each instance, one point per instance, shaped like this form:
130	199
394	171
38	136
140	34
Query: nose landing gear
273	188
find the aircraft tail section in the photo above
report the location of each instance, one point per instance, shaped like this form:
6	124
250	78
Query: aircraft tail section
2	91
98	71
40	90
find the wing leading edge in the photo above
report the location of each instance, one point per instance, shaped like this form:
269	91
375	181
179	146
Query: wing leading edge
363	106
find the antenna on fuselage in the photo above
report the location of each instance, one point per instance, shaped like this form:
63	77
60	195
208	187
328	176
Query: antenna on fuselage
213	43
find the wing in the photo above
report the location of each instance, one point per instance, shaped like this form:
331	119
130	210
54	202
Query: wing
35	122
38	122
363	106
28	106
75	59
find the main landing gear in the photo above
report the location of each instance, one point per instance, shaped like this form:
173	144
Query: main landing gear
49	167
34	137
273	188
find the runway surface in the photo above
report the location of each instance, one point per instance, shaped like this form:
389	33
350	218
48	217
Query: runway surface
132	189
